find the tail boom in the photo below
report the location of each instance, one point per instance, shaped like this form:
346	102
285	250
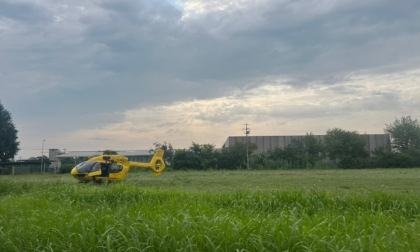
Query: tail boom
157	164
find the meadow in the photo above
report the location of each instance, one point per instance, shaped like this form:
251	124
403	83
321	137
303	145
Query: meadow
244	210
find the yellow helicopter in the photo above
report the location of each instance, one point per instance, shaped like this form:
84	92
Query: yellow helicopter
112	168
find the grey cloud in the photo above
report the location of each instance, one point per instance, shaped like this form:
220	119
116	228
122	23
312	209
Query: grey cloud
165	124
90	57
332	42
145	41
23	12
349	104
381	101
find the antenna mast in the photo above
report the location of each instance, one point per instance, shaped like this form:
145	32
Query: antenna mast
247	131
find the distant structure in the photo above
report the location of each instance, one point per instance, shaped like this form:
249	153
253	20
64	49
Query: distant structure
53	157
267	143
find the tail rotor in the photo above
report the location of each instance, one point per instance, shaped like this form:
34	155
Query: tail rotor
157	163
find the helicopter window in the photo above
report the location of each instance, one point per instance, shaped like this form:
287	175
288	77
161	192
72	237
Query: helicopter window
96	167
85	167
115	168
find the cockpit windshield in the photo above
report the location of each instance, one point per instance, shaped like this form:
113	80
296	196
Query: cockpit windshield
88	167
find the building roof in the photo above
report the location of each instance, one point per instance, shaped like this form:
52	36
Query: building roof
126	153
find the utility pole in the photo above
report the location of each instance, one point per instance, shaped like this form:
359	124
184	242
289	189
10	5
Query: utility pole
42	156
247	131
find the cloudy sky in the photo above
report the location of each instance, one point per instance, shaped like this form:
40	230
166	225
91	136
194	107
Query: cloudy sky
123	74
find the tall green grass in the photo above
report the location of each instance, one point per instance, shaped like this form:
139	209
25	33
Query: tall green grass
61	215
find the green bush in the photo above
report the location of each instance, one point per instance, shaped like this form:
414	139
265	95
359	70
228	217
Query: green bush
65	168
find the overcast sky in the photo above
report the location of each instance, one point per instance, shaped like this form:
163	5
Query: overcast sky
123	74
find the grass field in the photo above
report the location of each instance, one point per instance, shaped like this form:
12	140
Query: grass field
301	210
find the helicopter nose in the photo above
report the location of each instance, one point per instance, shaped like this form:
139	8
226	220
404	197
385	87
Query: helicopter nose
74	172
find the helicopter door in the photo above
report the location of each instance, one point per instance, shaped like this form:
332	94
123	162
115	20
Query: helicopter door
95	171
105	170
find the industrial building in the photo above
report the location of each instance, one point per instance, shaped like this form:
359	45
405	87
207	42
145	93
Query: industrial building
267	143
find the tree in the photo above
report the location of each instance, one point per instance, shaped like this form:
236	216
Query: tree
347	148
109	152
313	148
206	154
302	152
168	151
385	158
234	157
295	153
9	146
405	134
184	159
198	157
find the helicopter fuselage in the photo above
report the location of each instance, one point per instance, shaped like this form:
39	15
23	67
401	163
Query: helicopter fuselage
112	168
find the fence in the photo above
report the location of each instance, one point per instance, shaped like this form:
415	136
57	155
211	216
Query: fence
23	167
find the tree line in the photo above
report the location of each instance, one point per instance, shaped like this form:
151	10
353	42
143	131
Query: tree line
338	149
